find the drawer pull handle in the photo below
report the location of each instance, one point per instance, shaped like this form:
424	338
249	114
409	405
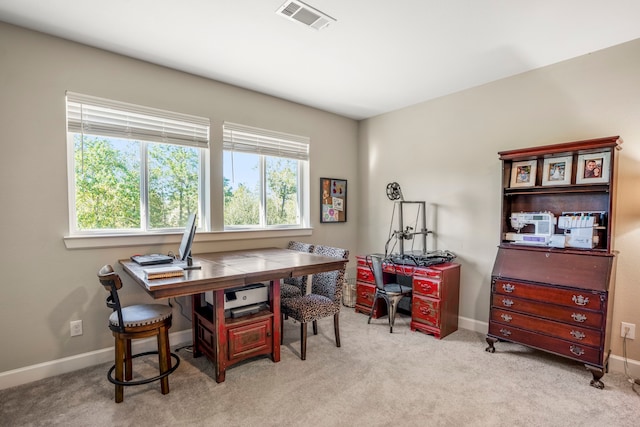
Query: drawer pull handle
268	333
578	335
580	300
576	350
425	310
425	287
505	332
507	302
506	317
578	317
508	287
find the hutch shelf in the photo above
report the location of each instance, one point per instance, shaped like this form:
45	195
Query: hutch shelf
550	285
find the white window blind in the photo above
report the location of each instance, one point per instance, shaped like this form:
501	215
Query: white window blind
247	139
103	117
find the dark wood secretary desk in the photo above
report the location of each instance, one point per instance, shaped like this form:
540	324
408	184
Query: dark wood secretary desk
557	299
229	341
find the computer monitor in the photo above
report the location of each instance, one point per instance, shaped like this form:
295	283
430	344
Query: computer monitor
184	252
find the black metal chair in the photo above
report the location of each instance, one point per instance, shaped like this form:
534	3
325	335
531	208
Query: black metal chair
324	300
392	293
134	322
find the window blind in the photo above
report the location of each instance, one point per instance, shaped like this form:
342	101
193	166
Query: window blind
97	116
247	139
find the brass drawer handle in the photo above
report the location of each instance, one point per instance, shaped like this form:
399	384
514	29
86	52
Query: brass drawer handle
505	332
576	350
425	310
508	287
425	287
506	317
507	302
578	317
578	335
580	300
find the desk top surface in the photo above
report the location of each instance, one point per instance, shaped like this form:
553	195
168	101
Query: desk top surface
221	270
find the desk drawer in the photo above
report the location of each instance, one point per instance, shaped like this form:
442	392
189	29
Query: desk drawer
577	334
426	310
581	298
251	338
426	286
550	311
569	349
365	274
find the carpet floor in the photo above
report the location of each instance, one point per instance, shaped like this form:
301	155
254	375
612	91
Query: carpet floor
375	379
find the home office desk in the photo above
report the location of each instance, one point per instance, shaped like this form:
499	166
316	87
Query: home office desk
229	341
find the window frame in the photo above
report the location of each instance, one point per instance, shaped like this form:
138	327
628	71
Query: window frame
270	144
168	128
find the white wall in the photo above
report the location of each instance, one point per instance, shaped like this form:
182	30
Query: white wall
44	285
445	153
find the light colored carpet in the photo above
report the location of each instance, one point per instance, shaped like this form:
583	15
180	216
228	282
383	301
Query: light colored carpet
375	379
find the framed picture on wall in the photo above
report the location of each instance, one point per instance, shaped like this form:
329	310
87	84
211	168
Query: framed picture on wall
557	171
333	200
523	174
593	168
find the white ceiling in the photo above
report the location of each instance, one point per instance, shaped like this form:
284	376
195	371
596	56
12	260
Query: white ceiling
379	56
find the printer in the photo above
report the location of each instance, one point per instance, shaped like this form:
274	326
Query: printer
243	300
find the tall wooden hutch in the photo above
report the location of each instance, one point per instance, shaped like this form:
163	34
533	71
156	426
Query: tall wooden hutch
553	293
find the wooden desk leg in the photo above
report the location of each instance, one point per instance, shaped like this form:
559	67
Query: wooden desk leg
221	335
274	298
196	301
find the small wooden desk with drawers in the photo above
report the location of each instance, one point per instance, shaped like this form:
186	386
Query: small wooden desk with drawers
435	297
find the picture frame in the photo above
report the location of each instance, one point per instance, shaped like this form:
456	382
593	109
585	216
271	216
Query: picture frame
593	168
333	200
523	174
557	170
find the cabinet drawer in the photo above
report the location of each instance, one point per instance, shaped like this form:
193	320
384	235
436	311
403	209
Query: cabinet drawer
582	298
569	349
425	310
365	274
564	331
573	316
428	272
426	286
365	293
254	337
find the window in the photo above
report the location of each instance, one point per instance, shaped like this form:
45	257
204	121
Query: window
133	168
265	178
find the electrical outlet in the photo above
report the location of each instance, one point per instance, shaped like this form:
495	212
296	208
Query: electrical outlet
75	326
629	329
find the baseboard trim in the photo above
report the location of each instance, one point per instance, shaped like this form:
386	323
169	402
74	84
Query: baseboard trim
73	363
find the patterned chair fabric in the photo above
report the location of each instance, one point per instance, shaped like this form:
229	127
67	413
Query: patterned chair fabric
323	301
295	286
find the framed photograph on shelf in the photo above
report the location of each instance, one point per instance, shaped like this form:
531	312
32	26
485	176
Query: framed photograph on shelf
333	200
523	174
557	171
593	168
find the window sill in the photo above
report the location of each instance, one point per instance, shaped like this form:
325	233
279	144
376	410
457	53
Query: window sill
124	240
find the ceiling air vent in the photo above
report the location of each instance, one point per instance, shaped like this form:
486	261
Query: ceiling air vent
303	13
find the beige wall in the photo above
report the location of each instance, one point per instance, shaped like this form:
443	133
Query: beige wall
445	152
44	285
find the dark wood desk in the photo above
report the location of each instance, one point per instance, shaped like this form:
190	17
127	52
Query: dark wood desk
228	341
